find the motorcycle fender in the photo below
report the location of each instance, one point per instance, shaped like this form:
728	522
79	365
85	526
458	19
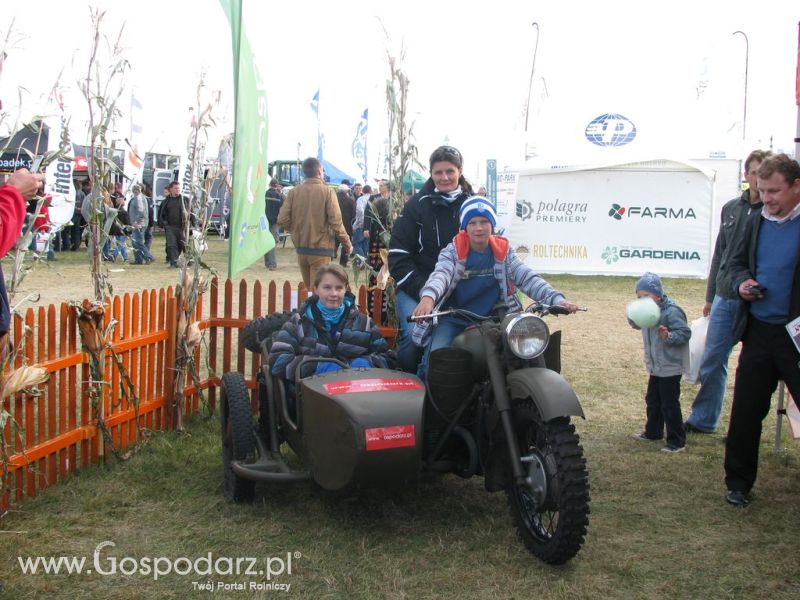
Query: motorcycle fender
552	394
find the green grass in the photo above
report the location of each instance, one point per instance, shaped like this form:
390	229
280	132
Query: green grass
659	526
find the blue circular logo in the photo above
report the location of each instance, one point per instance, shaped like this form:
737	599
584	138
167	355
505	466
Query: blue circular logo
611	130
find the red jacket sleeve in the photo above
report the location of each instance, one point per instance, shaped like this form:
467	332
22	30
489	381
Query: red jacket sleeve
12	215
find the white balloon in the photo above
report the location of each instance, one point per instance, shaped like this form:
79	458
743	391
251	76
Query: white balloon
644	312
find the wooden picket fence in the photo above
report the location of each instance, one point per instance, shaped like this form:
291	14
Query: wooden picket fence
48	436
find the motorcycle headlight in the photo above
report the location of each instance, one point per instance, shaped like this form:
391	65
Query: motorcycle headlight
527	335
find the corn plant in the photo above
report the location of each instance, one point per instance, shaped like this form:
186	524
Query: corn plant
194	273
101	88
402	156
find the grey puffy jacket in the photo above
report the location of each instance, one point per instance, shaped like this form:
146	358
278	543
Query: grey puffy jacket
666	358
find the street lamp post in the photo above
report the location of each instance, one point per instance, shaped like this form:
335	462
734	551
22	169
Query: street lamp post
530	83
746	64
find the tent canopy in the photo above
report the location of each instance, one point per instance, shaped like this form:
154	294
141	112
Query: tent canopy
335	175
413	181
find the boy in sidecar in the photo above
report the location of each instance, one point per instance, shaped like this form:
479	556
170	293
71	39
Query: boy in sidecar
327	325
474	272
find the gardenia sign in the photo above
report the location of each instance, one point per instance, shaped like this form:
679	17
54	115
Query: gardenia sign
615	219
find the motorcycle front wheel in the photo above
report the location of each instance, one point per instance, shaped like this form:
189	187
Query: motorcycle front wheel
551	507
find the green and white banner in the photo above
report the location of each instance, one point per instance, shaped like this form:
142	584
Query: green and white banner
249	234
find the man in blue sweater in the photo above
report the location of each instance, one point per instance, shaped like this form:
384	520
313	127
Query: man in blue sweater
766	274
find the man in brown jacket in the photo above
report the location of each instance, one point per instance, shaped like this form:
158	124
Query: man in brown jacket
311	214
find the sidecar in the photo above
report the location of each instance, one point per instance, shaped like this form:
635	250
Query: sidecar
352	428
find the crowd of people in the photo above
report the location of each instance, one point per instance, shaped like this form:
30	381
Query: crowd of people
124	218
126	223
325	223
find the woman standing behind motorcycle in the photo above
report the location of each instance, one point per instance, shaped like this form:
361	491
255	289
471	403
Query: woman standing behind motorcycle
329	325
474	272
428	223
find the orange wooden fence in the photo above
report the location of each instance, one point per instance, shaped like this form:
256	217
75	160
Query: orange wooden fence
54	433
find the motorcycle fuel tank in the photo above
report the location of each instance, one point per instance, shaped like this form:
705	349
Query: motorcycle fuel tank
471	340
363	428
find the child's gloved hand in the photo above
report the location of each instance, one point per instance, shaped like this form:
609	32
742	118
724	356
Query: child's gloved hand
634	325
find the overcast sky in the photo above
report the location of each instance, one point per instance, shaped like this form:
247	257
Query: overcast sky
674	68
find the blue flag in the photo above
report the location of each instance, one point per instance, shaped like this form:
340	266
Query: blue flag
320	137
360	144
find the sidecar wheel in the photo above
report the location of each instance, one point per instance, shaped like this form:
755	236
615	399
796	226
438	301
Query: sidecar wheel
261	329
238	438
551	509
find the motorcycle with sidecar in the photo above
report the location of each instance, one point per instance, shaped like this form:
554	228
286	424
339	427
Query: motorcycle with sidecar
493	404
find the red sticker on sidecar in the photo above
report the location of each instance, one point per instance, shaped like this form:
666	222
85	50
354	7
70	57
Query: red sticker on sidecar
398	436
394	384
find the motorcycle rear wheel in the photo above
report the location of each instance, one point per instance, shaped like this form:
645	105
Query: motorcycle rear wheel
238	438
551	509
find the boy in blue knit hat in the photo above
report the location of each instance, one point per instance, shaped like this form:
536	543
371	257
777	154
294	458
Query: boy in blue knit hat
474	272
666	356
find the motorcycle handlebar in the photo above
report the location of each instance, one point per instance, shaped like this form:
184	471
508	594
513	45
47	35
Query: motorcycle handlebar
452	311
542	308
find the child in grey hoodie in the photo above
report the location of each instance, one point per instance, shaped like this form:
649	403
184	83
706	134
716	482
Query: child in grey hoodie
666	356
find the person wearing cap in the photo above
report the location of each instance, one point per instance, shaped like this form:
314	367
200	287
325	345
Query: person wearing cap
427	224
139	219
666	356
474	272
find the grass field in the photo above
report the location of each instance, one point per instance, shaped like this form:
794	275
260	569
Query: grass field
659	526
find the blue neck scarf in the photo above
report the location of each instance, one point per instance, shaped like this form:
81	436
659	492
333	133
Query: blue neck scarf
330	316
